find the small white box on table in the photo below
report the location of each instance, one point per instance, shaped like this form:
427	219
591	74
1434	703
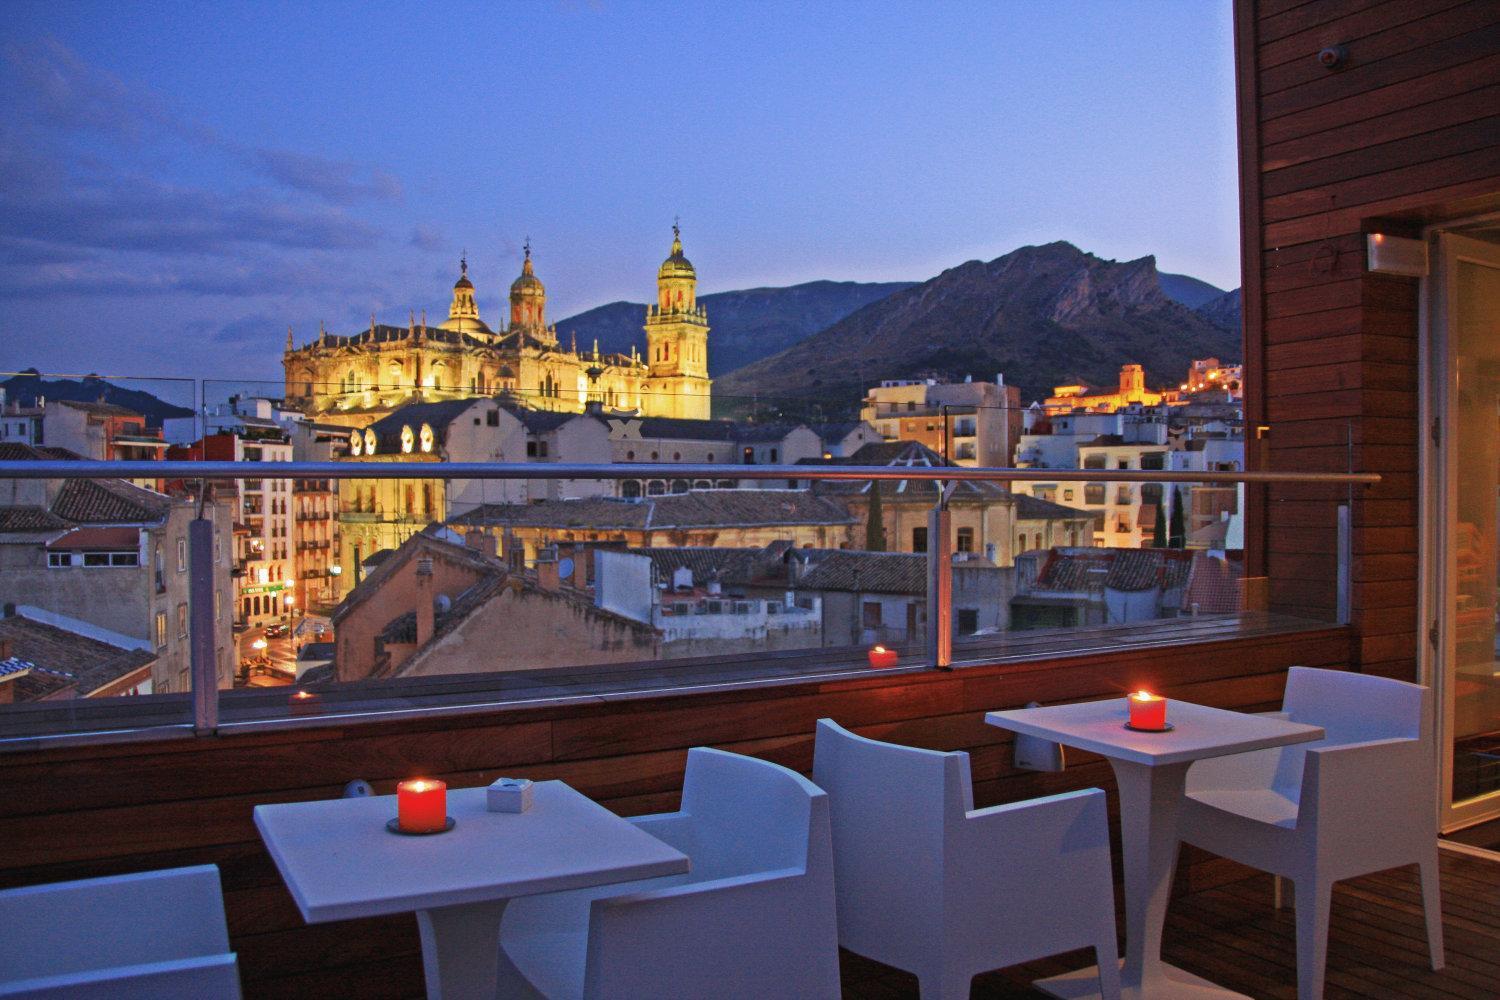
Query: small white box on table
509	795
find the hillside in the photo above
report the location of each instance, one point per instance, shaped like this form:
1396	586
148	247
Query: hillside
745	326
1042	315
1188	290
1223	312
28	386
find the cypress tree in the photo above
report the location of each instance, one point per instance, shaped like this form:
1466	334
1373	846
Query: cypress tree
875	521
1159	529
1178	537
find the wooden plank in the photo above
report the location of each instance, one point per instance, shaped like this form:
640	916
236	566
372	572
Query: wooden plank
1438	84
1462	137
1383	74
1357	135
1306	16
1463	188
1369	37
1377	189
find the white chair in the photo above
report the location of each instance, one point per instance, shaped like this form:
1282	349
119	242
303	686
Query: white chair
1358	801
127	937
930	884
755	917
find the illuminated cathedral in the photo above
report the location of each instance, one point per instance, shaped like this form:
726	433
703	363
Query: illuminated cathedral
355	380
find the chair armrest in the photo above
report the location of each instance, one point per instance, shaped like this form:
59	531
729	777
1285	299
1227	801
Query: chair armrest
1001	844
674	829
211	977
762	925
1384	785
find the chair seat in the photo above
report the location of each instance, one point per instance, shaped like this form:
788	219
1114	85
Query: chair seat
1263	805
554	961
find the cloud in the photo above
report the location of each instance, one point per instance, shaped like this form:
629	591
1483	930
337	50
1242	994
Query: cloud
131	275
336	181
426	238
257	328
69	94
136	213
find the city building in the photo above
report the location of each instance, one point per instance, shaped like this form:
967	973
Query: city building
987	519
102	432
706	442
1132	389
46	662
356	379
438	606
732	518
113	556
265	516
708	601
970	423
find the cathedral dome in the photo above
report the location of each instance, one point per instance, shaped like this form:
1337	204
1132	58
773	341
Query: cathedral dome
676	266
528	278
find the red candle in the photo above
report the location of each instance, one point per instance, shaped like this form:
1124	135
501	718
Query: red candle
422	805
882	657
1148	711
303	701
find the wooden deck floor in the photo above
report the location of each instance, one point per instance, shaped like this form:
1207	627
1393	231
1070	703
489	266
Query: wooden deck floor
1221	925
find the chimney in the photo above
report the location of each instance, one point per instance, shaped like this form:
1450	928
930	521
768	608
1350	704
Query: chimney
481	541
547	576
425	614
581	557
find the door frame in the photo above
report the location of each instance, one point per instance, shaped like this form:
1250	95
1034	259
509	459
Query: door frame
1439	490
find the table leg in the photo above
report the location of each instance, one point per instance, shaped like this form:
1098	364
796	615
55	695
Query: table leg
1150	800
461	954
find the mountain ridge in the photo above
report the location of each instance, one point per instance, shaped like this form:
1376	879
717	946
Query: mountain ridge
1041	315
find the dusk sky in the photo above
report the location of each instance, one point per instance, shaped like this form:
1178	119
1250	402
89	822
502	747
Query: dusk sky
182	182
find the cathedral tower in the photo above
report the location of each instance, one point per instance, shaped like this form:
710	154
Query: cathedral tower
677	339
528	299
463	312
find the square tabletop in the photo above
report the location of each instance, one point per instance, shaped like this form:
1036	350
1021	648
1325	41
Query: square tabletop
1198	731
340	862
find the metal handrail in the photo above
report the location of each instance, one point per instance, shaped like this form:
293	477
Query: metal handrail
64	469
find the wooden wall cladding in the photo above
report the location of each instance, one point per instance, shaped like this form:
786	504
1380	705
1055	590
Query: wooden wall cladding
1405	132
81	812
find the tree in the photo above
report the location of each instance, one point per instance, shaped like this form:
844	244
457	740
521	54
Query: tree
1178	536
1159	529
875	521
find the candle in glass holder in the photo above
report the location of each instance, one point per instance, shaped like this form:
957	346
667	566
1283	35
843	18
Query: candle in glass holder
1148	711
422	805
303	701
882	657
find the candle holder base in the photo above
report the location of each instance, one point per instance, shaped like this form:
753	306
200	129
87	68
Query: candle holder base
394	825
1142	729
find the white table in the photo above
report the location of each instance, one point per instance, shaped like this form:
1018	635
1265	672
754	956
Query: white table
340	862
1151	771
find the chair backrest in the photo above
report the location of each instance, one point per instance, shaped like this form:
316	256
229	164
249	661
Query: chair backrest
99	923
747	815
1351	708
890	807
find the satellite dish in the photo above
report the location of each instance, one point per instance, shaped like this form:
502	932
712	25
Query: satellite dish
565	568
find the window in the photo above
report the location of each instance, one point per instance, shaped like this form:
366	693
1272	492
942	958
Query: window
1067	494
161	630
965	542
492	418
871	610
919	539
1093	462
1122	464
182	555
59	560
1093	493
182	621
968	621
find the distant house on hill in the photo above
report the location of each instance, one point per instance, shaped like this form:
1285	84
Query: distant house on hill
1064	588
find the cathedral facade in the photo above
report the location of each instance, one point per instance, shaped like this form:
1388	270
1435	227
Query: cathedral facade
355	380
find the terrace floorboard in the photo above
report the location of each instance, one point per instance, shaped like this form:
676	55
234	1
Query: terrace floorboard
1221	925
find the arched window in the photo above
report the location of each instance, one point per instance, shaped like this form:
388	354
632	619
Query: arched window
630	489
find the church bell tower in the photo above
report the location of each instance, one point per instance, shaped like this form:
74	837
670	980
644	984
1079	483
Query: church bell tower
677	339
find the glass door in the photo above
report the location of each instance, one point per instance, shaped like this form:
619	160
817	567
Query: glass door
1466	376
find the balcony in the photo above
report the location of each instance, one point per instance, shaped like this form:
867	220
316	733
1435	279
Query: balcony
617	730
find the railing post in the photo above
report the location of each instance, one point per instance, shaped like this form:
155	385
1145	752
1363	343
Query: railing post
1344	568
940	584
205	667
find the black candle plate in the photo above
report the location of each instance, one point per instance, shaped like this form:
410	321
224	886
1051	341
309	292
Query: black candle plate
1139	729
394	825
